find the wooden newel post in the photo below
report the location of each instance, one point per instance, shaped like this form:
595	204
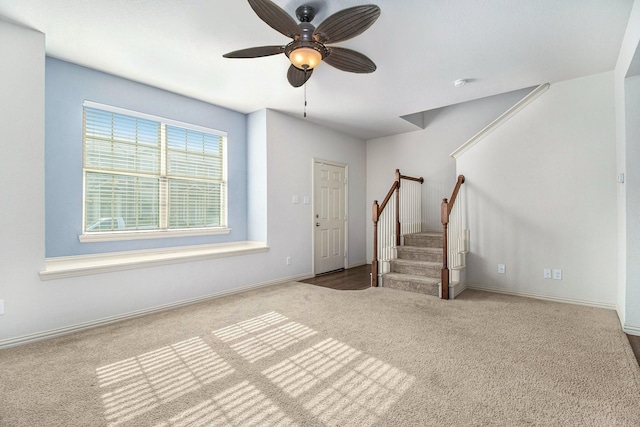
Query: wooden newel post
374	263
444	274
397	213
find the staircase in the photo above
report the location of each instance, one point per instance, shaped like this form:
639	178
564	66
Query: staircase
422	264
418	265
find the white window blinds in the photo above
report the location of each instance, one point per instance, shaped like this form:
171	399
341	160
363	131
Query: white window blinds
195	171
146	173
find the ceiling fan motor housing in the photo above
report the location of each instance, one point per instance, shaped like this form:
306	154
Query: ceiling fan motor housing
305	13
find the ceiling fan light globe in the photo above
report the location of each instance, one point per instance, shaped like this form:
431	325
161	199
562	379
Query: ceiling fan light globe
305	58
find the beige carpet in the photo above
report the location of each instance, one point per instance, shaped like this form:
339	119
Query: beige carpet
297	354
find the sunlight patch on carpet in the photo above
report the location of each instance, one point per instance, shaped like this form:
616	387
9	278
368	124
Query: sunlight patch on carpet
333	382
249	326
270	342
362	395
241	405
273	337
140	384
334	390
299	373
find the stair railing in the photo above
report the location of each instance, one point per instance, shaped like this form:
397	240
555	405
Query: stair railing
456	235
393	218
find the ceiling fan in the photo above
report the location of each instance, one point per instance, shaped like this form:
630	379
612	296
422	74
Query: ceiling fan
309	45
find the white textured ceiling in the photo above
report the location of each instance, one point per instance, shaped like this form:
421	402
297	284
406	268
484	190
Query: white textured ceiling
419	46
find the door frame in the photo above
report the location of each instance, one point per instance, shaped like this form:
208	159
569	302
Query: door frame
313	210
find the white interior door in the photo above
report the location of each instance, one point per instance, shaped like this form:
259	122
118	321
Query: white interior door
329	205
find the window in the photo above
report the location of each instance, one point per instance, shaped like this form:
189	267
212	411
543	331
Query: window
145	173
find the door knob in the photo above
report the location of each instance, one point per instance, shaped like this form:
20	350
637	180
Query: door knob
317	224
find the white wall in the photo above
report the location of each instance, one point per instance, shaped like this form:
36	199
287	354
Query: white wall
632	214
426	153
21	170
542	194
292	144
35	309
628	159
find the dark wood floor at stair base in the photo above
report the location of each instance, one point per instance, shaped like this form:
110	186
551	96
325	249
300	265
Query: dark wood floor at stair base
358	278
352	279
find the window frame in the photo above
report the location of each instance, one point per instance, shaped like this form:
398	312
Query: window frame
164	179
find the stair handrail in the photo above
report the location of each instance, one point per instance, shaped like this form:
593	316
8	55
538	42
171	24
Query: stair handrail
377	210
445	212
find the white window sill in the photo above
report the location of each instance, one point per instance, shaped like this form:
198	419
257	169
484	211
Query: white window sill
152	234
82	265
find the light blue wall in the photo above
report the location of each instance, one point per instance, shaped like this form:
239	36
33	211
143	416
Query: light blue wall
66	87
257	184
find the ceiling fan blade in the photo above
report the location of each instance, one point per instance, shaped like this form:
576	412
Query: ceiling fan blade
255	52
347	23
275	17
349	60
298	77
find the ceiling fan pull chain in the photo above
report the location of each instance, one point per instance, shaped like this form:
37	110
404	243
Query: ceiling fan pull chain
305	93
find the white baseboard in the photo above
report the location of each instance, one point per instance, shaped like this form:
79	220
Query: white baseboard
358	264
631	330
456	289
620	315
544	297
26	339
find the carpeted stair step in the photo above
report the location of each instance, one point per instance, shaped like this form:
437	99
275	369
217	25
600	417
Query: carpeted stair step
416	268
424	240
420	254
407	282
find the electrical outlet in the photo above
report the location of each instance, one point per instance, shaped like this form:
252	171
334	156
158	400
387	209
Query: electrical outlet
295	199
288	260
547	273
557	274
502	269
1	306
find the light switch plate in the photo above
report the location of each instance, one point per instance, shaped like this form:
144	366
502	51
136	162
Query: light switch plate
502	269
547	273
